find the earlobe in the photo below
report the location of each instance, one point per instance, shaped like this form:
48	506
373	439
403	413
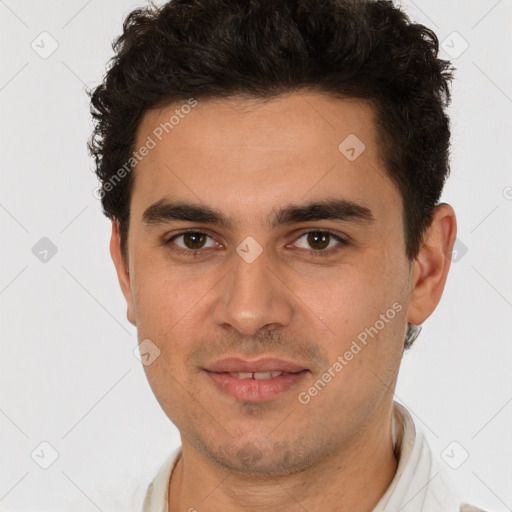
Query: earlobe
432	263
123	273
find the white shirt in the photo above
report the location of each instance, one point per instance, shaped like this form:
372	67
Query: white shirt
418	485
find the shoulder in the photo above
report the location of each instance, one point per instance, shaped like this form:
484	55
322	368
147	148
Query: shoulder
470	508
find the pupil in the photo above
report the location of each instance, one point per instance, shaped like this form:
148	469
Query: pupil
194	240
318	240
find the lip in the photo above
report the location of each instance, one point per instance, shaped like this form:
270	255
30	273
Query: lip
237	364
255	390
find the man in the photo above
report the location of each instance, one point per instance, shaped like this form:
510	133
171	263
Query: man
273	171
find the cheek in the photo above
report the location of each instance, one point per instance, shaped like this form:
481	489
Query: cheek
350	297
359	309
164	295
364	354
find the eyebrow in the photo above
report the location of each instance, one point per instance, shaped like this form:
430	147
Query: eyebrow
329	209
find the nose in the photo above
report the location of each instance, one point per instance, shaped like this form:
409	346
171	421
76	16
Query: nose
252	298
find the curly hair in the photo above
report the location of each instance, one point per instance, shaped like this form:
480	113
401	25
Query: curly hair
202	49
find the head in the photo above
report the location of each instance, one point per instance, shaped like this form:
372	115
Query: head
303	147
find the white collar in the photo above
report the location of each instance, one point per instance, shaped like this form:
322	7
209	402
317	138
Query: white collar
419	485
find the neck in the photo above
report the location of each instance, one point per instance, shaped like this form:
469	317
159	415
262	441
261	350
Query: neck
352	478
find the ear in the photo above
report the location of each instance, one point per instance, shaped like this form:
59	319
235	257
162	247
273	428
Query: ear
431	265
123	273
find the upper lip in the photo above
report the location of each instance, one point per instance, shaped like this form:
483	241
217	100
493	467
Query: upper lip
236	364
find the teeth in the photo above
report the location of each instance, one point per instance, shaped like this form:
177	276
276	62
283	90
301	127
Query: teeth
262	375
241	375
256	375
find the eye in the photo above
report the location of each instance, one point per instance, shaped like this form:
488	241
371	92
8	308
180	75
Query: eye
191	241
319	241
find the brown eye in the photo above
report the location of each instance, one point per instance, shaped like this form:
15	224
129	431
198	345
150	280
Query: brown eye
319	240
192	241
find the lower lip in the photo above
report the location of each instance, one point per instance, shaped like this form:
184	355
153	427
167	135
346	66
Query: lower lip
256	390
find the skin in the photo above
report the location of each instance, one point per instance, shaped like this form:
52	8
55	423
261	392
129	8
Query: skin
247	158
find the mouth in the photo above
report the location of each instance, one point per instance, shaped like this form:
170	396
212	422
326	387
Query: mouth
257	375
257	386
263	365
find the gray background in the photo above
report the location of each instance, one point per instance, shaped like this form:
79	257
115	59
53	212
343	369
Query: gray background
68	375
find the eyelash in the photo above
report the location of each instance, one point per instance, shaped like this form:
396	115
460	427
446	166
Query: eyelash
316	253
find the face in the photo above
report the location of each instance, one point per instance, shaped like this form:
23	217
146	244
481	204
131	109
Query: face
258	244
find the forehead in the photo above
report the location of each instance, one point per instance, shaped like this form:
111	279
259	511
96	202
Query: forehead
246	155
